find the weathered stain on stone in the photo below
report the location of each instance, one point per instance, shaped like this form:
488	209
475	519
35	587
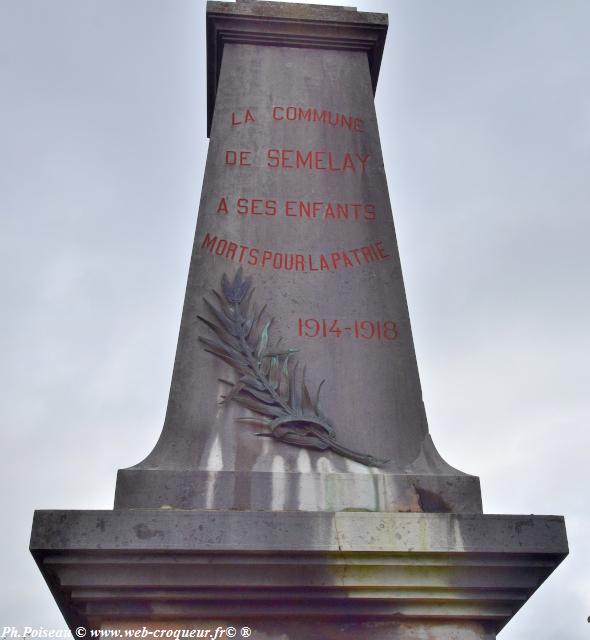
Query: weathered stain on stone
431	502
528	522
143	532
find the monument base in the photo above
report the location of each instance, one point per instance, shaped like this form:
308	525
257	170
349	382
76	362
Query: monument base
295	575
310	630
273	491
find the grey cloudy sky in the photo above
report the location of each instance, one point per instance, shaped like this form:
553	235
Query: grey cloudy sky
484	112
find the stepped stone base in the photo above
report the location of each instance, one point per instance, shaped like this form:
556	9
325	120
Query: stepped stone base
301	630
296	575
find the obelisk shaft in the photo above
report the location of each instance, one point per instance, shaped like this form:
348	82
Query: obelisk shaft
295	213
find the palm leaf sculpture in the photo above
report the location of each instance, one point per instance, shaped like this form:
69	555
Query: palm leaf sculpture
268	377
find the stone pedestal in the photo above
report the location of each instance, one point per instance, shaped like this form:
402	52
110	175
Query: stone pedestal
296	576
266	508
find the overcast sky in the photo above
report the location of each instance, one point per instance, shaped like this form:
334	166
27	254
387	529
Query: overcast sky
484	113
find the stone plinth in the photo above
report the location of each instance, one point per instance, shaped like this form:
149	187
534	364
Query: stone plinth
294	576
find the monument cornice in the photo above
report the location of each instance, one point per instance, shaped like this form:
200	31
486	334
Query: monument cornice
157	565
279	24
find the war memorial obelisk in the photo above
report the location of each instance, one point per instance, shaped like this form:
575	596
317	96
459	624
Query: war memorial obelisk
295	492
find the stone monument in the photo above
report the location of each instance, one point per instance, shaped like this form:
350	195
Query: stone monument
295	490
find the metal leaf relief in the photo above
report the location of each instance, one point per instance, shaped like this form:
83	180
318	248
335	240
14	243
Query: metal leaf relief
268	381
